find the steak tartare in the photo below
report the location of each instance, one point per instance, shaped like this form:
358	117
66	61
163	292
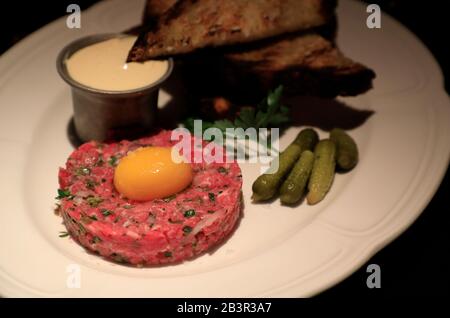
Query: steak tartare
159	231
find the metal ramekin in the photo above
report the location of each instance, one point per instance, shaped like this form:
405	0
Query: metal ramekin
109	115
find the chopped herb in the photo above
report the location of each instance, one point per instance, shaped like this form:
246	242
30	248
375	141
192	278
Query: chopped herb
127	206
93	217
106	212
83	171
63	234
170	198
211	211
90	184
64	193
187	229
189	213
222	170
96	240
82	229
118	258
212	197
167	254
113	161
94	201
268	113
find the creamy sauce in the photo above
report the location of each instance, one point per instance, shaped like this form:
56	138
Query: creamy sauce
102	66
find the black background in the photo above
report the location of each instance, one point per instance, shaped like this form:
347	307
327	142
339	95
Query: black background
415	264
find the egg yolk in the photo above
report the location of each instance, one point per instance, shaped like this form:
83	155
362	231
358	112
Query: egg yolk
150	173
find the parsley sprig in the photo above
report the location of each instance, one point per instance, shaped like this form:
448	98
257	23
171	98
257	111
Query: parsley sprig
64	193
268	113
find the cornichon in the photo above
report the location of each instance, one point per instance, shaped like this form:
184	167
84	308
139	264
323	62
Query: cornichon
294	186
322	173
346	149
307	139
267	185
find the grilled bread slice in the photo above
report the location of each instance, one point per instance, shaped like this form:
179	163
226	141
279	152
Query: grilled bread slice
306	65
189	25
154	9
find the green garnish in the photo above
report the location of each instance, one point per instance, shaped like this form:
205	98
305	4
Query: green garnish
106	212
64	193
127	206
118	258
82	229
189	213
212	197
94	201
96	239
167	254
222	170
113	161
187	229
93	217
268	113
90	184
63	234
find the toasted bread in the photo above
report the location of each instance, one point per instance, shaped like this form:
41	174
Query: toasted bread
189	25
154	9
307	65
305	62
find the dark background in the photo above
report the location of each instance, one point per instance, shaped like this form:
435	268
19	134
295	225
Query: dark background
415	264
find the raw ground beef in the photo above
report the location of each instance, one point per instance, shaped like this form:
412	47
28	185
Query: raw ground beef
160	231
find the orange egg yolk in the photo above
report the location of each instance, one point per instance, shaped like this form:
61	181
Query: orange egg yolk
151	173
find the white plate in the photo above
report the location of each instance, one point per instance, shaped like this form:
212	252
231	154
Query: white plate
275	251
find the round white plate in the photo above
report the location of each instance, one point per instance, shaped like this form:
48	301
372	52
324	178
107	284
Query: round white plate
275	251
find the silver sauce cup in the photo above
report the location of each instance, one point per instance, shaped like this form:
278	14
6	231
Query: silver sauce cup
104	115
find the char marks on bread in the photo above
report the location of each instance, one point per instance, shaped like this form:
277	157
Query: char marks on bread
248	47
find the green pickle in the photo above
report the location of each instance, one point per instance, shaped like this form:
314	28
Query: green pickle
307	139
293	188
266	185
322	173
347	150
